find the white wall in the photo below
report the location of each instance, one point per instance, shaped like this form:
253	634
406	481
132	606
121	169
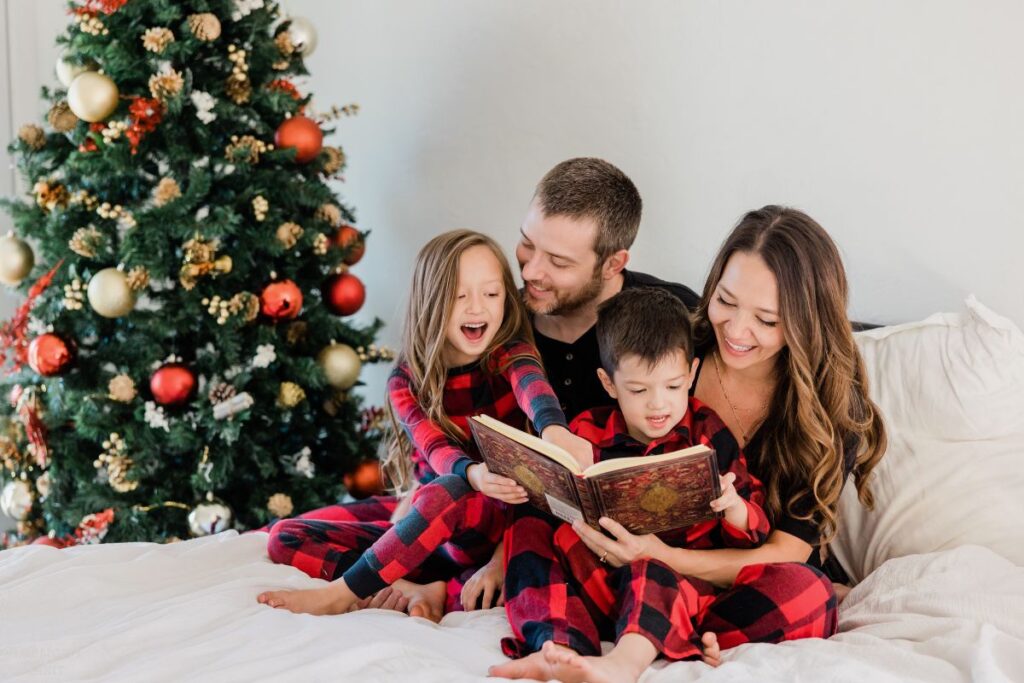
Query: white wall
898	125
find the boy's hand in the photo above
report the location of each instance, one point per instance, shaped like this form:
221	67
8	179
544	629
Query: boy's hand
495	485
730	502
487	581
579	448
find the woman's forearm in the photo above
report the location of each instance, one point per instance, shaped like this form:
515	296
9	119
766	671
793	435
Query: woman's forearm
720	566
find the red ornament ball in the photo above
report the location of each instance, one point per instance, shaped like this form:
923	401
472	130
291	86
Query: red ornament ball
281	300
365	480
50	355
52	542
172	384
344	294
351	240
302	134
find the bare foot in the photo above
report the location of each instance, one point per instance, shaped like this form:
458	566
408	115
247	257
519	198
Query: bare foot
425	600
534	666
335	598
712	655
571	667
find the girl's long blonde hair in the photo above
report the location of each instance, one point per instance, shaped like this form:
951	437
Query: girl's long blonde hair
435	284
821	399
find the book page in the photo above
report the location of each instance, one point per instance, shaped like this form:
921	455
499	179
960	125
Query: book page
640	460
532	442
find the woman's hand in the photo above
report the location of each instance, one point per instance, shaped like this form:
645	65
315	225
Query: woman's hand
624	548
579	448
495	485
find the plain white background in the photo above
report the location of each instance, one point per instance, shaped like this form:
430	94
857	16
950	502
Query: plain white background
897	125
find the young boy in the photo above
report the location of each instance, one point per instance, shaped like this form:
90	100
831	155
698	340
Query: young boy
569	587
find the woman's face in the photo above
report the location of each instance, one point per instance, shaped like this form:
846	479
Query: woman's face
744	312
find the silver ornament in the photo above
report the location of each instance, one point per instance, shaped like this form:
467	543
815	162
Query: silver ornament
303	35
210	517
16	499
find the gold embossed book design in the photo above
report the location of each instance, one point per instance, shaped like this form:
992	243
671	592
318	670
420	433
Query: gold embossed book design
646	494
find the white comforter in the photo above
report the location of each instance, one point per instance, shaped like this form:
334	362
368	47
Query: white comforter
188	611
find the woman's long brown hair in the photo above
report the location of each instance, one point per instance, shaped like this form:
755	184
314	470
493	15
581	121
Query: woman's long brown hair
821	398
435	283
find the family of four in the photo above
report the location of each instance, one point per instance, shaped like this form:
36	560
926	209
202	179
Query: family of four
604	362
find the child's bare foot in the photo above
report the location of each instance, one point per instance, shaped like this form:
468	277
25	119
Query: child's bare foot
335	598
712	655
571	667
425	600
534	666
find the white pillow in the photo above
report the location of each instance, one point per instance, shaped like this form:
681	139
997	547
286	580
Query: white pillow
951	390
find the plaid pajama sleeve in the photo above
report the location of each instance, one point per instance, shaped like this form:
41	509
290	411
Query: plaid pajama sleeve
520	363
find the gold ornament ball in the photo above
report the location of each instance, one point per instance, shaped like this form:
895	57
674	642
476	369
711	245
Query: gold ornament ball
303	35
16	259
340	364
109	293
67	72
92	96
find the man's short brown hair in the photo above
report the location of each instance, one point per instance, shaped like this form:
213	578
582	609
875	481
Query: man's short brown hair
643	321
592	188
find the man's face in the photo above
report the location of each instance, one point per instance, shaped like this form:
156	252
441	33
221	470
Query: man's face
558	263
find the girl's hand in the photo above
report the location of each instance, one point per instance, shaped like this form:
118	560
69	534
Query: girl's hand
579	448
624	549
730	502
495	485
487	581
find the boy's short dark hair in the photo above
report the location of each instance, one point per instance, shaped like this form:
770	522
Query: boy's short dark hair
644	321
585	187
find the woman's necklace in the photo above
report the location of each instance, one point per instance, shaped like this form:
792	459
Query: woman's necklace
745	433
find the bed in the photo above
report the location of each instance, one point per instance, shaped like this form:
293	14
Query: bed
939	566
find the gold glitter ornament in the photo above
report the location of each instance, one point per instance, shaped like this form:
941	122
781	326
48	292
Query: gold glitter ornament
280	505
86	241
61	118
329	213
50	196
335	160
290	395
288	234
32	135
166	191
138	278
164	86
205	26
157	38
122	389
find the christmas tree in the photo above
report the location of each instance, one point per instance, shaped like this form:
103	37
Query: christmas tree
182	359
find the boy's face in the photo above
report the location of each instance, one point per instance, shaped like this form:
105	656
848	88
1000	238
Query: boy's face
652	399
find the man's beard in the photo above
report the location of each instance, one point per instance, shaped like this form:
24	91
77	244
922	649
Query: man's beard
565	304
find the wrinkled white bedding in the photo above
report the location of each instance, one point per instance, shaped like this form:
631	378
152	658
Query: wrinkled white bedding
187	611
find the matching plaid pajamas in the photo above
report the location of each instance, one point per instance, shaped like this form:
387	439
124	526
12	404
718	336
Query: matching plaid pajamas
451	529
557	589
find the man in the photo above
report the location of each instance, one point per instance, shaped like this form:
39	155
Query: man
573	251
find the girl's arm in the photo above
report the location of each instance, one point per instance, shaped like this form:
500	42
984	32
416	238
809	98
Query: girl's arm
538	401
429	442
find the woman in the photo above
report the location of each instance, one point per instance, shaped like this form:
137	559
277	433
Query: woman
780	367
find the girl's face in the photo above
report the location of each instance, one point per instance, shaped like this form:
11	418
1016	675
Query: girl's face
478	309
744	312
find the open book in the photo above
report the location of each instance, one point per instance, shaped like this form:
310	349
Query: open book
645	494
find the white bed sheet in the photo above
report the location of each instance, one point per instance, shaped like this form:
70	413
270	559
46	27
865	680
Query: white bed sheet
188	611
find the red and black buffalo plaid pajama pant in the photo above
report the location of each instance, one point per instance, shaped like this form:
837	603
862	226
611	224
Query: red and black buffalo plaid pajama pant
448	534
557	589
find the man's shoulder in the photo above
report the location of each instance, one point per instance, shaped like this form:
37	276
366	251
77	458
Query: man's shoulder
632	278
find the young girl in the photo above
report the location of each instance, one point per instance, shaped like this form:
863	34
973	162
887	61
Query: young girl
467	349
